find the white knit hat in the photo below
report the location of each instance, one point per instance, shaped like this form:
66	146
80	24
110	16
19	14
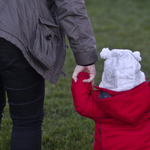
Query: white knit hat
121	69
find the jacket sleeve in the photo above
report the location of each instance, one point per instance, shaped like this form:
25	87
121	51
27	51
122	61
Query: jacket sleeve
83	99
73	17
128	107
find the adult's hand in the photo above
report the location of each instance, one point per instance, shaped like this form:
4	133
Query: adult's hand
89	69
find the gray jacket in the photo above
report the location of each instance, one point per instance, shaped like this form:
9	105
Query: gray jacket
38	28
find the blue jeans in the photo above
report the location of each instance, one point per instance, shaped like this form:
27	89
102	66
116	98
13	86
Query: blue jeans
25	91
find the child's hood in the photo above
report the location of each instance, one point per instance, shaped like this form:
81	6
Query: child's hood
127	106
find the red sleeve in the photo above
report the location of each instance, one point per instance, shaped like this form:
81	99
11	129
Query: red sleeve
83	99
128	107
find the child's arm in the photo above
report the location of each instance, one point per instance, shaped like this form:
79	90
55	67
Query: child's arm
84	102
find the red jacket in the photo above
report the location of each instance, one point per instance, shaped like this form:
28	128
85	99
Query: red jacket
122	122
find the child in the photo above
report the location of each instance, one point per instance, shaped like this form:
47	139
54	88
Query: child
120	106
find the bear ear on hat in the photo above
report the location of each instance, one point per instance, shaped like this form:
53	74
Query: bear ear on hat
105	53
137	56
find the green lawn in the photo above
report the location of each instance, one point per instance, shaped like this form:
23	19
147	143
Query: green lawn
116	24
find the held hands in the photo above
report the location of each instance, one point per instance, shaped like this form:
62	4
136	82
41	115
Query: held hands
89	69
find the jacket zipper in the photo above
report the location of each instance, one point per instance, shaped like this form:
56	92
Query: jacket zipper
100	136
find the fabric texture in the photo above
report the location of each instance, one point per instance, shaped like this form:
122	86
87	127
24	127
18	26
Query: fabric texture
122	70
121	121
38	30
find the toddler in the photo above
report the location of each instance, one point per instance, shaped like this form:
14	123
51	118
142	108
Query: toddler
120	105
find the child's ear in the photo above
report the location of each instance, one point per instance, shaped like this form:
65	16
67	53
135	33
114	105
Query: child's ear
105	53
137	56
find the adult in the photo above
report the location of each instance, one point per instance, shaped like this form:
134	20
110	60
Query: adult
32	49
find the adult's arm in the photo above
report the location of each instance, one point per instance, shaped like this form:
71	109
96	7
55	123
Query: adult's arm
76	24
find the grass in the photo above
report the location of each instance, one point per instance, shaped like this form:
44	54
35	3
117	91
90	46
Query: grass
116	24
